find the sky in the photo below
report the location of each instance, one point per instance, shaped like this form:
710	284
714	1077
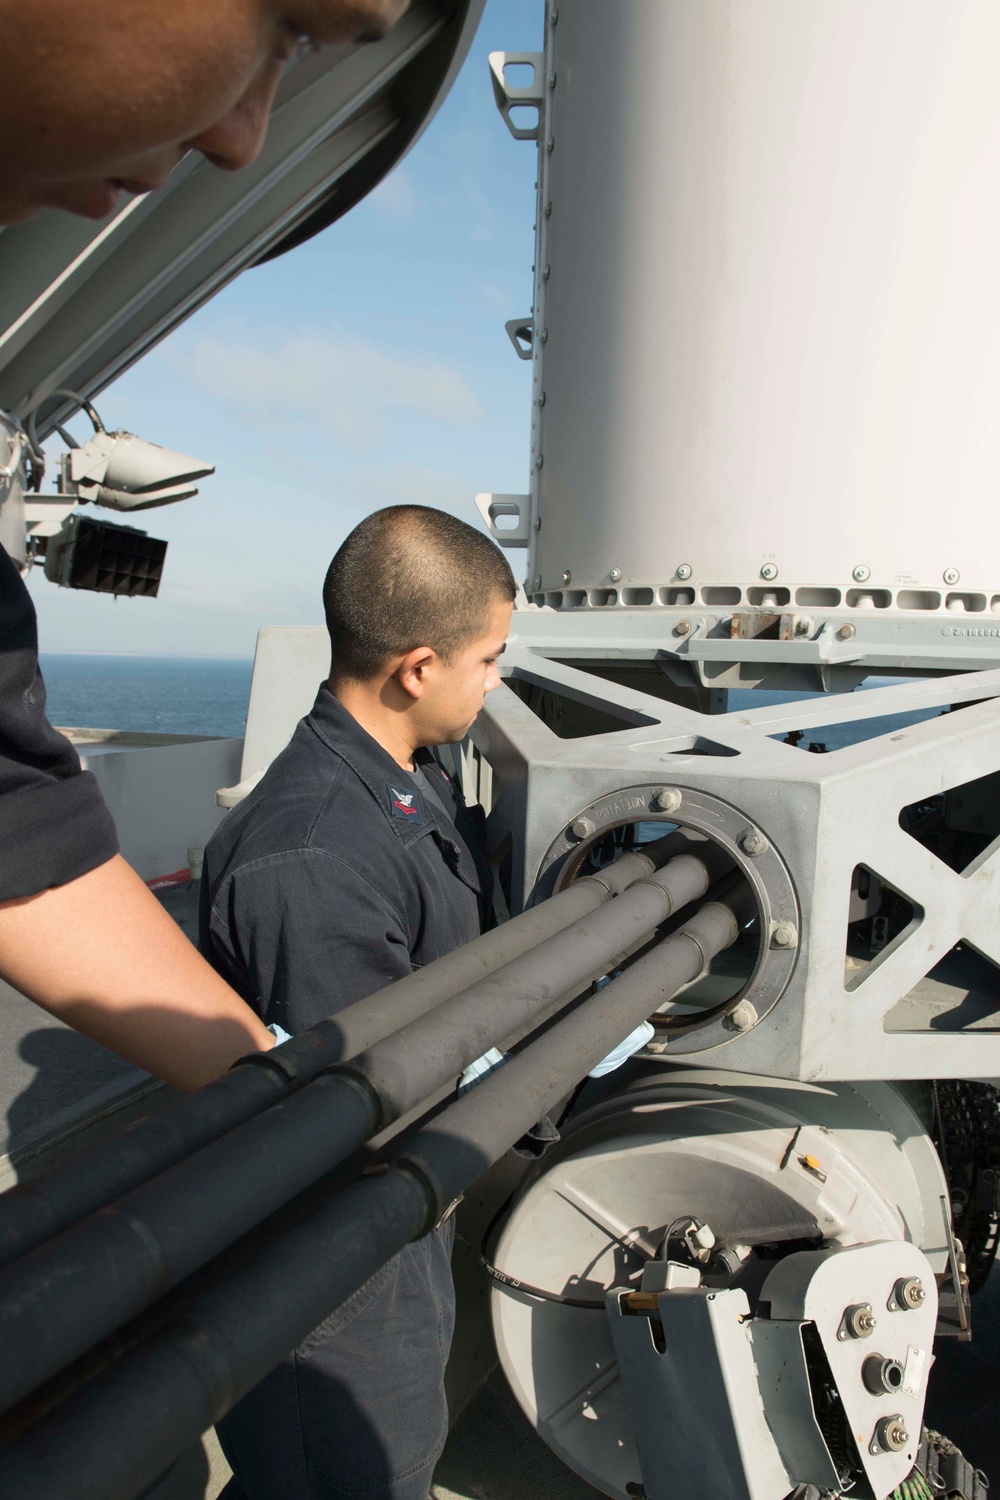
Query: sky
368	367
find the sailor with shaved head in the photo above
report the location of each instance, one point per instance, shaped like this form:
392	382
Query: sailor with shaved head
353	862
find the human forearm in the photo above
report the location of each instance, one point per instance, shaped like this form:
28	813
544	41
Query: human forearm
102	955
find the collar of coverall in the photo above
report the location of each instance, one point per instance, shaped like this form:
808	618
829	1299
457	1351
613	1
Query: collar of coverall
342	734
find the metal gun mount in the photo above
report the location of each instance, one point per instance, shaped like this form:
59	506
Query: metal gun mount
874	867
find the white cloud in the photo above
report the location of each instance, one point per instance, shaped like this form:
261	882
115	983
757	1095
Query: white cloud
346	386
395	199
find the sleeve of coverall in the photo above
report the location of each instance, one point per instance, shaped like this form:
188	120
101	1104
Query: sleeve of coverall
305	934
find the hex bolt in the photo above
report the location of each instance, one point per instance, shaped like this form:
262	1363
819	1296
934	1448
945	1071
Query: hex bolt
684	572
861	573
909	1294
769	571
615	574
742	1016
753	844
567	576
891	1435
784	935
858	1321
882	1376
581	828
683	627
951	575
847	632
668	799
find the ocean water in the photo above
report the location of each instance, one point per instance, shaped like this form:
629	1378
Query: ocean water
149	694
206	695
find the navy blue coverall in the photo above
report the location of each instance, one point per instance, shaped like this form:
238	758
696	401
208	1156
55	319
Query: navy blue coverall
334	877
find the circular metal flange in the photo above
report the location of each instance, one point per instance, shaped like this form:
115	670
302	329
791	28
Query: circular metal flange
764	870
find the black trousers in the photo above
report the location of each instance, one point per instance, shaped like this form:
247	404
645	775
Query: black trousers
358	1410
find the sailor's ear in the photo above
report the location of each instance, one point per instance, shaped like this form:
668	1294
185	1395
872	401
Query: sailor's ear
414	670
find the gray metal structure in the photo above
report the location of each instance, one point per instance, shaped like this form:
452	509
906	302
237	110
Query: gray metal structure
765	364
765	367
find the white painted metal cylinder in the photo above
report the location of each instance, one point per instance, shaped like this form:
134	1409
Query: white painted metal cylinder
768	304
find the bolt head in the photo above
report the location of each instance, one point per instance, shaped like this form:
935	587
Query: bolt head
683	627
581	828
859	1321
753	844
861	573
890	1435
951	575
784	935
546	272
539	461
538	581
909	1293
615	574
668	799
567	576
742	1016
769	571
847	632
684	572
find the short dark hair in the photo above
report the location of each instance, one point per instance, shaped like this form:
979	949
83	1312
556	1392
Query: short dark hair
410	576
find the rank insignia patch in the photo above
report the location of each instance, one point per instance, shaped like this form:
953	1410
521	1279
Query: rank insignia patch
405	805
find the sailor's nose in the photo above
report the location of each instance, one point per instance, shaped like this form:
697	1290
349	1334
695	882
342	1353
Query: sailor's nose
236	140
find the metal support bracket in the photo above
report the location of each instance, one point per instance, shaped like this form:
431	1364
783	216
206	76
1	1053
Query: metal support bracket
509	98
490	507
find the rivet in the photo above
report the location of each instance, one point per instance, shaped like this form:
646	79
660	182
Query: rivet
548	209
544	335
539	461
546	273
550	144
567	576
683	627
538	580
